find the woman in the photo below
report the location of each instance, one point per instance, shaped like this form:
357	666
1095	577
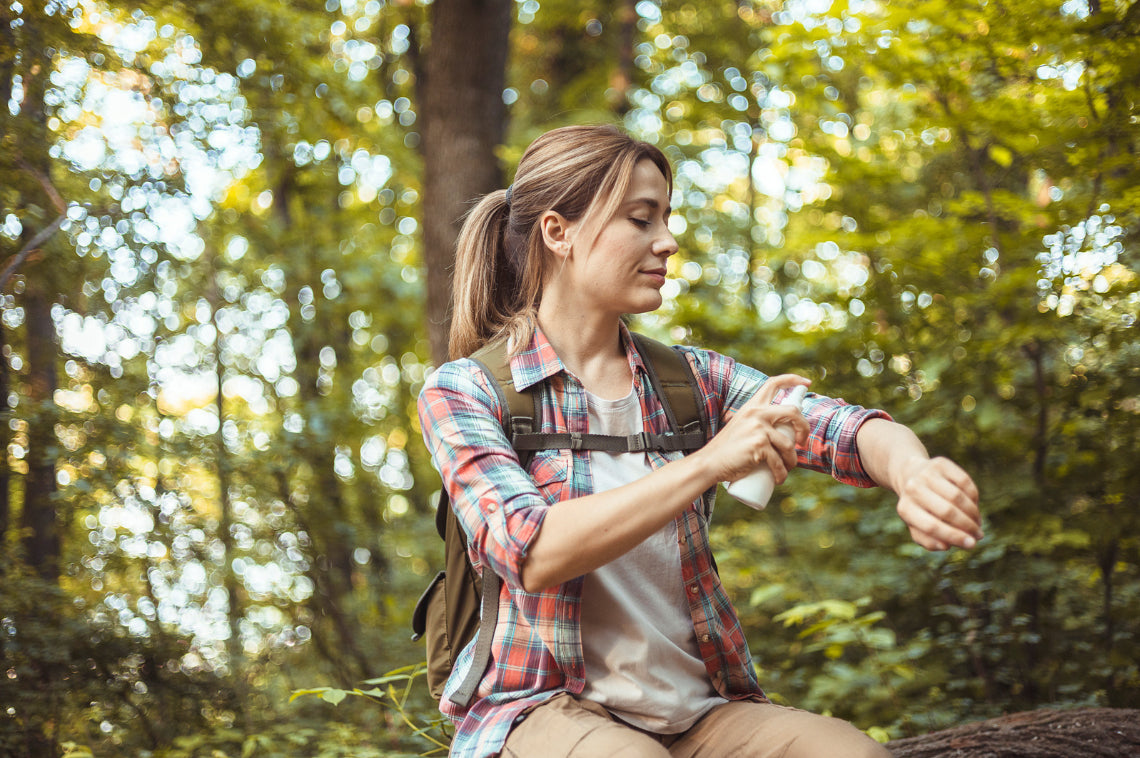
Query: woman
615	636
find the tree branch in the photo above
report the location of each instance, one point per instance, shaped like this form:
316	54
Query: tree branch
18	259
45	183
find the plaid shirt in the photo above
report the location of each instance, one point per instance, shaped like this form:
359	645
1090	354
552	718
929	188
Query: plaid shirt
537	647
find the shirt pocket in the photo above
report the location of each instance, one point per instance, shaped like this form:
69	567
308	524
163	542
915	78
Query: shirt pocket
550	470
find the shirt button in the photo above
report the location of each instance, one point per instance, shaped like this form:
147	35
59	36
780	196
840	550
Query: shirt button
492	508
705	638
694	589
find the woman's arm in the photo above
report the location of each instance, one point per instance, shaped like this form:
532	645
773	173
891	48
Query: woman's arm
580	535
938	501
535	545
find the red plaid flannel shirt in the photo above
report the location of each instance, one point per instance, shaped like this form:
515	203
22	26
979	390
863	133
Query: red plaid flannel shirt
537	647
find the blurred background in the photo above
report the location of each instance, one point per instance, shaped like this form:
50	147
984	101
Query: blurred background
225	232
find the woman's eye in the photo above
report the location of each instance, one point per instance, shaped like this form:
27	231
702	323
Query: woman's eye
640	222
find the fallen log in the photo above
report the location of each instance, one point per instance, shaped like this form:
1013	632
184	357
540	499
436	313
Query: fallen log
1047	733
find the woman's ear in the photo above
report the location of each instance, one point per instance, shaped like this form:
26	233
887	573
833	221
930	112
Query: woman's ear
557	233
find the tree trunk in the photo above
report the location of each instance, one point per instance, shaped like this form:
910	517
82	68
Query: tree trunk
622	83
1077	733
5	437
7	71
38	517
331	520
224	472
463	121
324	516
26	139
326	604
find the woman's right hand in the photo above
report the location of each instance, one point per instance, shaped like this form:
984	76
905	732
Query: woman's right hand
751	437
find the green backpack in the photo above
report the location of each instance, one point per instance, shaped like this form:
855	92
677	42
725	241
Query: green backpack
459	603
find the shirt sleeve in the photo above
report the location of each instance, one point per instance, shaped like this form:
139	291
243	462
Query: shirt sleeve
497	503
832	422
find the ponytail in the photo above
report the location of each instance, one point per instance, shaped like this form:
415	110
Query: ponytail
496	287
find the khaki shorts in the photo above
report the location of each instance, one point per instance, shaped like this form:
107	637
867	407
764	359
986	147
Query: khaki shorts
567	727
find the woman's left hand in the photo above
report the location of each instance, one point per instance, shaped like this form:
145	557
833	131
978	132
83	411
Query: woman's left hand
938	501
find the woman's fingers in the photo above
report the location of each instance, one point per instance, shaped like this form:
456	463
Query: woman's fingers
780	455
927	541
799	424
933	533
766	395
752	439
939	503
958	503
754	436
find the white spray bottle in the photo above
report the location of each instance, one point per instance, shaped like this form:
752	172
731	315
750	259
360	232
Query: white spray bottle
755	489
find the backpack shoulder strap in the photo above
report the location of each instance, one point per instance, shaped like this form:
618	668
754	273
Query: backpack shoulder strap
518	411
673	379
521	411
519	416
675	382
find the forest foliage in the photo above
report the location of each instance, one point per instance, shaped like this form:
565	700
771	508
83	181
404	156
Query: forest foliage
213	288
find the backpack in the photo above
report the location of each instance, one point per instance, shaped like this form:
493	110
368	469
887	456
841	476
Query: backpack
460	604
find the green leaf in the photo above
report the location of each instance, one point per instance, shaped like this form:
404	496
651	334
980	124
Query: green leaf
373	692
333	696
302	693
762	594
1000	155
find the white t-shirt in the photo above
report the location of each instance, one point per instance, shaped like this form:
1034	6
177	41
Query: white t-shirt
642	659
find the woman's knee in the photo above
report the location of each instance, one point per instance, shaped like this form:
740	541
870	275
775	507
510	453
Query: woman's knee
765	730
834	737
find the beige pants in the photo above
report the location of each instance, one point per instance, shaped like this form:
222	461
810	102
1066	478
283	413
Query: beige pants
566	727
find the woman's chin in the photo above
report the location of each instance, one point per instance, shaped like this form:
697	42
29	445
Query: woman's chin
646	305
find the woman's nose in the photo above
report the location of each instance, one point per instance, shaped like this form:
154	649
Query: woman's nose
666	245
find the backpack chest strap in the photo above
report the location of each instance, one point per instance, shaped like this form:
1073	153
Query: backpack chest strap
632	443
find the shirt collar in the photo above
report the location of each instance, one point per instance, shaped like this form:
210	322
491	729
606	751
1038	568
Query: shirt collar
539	361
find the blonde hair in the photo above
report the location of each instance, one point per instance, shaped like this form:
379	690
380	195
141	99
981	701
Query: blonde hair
580	172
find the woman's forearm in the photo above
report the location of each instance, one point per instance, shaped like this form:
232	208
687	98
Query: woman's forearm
938	501
889	450
580	535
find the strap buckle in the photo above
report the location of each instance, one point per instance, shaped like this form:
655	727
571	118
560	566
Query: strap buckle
638	443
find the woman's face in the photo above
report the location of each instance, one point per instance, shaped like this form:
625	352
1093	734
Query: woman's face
623	269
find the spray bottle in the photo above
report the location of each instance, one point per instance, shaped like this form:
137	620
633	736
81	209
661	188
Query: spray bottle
755	489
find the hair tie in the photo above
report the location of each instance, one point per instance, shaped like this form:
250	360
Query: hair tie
507	196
